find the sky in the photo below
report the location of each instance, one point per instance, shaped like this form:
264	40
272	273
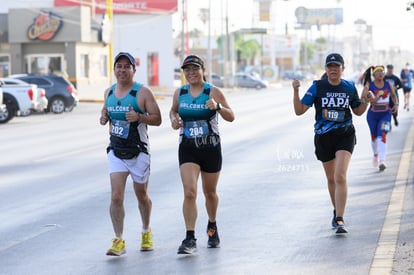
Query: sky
392	25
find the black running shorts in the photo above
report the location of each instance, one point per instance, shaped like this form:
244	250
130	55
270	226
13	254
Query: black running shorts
209	159
326	145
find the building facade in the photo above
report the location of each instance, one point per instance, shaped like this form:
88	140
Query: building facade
72	38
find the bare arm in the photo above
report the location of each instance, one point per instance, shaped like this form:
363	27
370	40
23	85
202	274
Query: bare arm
146	101
216	97
366	97
104	112
394	99
299	107
176	122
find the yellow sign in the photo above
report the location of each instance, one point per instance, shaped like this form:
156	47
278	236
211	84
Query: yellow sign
264	11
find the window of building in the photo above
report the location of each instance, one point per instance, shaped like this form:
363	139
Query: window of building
44	64
103	65
84	65
4	65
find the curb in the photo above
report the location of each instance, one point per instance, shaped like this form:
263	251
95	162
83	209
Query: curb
162	92
91	100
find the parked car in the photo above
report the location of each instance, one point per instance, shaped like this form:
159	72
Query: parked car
60	93
299	75
245	80
356	77
3	108
177	79
40	102
20	99
289	75
216	80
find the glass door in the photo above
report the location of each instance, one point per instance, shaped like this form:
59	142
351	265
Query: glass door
44	64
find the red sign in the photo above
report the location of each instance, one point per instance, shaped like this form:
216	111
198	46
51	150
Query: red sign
45	26
125	6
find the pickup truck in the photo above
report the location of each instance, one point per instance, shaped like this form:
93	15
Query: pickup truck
20	99
3	108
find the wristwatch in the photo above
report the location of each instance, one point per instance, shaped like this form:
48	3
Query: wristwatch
218	107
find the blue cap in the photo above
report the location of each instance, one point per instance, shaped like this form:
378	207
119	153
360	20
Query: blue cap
130	58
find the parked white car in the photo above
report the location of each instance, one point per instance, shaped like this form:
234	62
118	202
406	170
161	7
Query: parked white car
3	109
21	98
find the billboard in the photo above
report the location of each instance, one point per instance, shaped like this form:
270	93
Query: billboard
125	6
306	16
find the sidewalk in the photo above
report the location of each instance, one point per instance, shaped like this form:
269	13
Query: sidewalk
401	212
158	91
404	254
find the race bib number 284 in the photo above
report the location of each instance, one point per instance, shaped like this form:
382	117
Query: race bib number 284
196	128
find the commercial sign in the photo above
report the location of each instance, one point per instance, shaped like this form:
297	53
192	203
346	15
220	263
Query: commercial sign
264	10
45	26
125	6
306	16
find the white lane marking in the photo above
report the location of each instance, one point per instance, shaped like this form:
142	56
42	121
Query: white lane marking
385	252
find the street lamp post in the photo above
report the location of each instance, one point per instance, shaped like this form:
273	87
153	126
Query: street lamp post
109	13
205	16
360	27
183	38
209	55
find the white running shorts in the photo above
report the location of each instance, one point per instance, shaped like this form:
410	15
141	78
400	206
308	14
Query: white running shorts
138	168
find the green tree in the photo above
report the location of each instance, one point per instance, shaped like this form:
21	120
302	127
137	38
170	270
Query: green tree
249	49
307	52
321	45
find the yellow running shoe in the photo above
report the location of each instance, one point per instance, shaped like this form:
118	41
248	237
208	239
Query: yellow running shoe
117	248
146	241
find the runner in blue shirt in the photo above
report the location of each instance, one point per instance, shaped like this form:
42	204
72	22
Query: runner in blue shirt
333	99
406	76
396	82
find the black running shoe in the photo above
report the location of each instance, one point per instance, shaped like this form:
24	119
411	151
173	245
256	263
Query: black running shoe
188	246
340	228
334	223
213	238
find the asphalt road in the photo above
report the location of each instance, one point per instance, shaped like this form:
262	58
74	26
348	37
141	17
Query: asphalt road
274	213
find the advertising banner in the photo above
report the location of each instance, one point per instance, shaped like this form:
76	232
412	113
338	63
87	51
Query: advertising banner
124	6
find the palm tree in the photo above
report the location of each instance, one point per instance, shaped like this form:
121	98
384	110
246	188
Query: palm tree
247	50
321	44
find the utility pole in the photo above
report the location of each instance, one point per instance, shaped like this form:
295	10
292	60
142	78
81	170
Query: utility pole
227	55
183	37
109	13
209	55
